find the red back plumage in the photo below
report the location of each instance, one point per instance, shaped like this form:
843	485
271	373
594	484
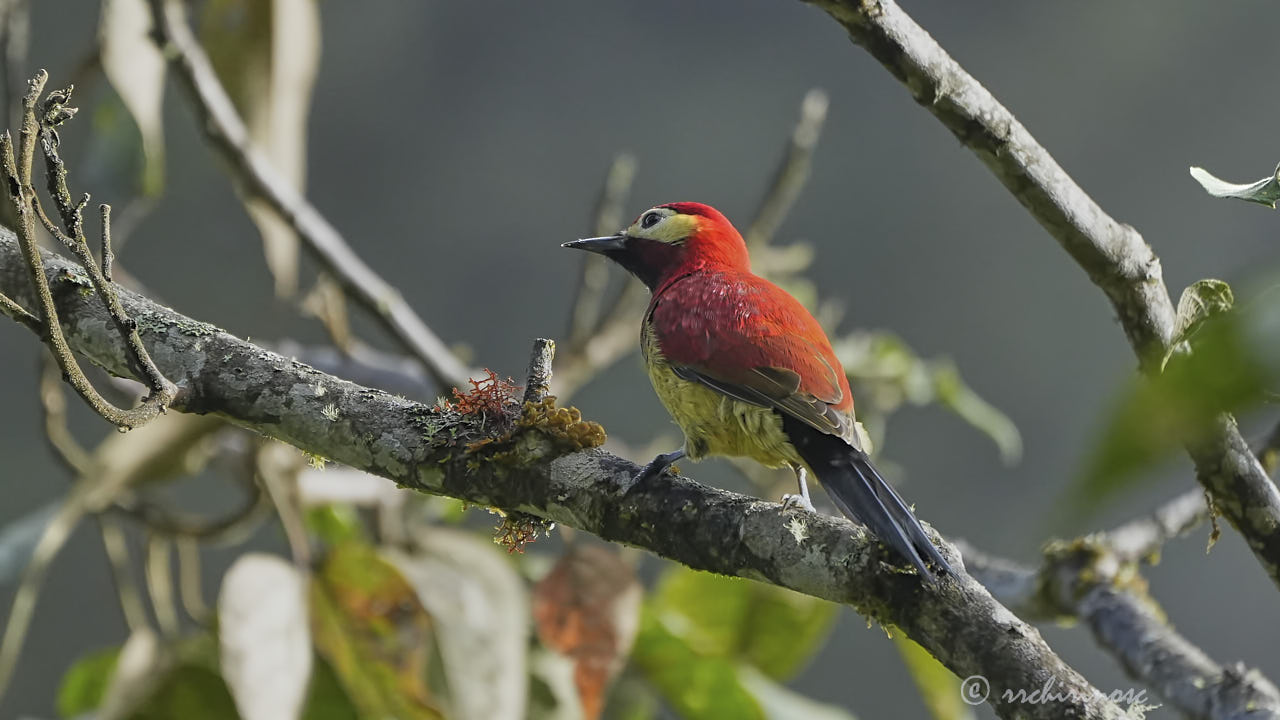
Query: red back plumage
713	314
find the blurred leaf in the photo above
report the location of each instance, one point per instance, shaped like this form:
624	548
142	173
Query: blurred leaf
264	639
266	53
480	612
775	629
694	684
939	687
335	523
368	624
957	397
1264	192
588	608
85	682
189	692
140	669
780	703
888	373
1224	372
1200	301
136	69
326	699
18	539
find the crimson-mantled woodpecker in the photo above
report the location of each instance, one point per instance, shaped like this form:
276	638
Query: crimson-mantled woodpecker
746	371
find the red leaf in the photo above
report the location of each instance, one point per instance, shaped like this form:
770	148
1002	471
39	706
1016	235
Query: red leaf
588	608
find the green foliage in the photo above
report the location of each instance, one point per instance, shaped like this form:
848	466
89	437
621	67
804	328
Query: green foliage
1219	363
85	682
1264	192
325	698
335	523
939	688
773	628
190	692
714	647
888	373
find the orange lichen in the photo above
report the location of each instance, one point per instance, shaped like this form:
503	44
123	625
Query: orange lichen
565	426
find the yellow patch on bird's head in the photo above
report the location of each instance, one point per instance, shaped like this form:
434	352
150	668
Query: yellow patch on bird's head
664	224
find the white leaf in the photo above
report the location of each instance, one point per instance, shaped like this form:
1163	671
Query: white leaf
266	52
481	618
265	638
1264	192
135	68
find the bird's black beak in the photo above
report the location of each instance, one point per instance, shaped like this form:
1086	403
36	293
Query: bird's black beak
599	245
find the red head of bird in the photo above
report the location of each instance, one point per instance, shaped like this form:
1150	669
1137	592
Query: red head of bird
673	239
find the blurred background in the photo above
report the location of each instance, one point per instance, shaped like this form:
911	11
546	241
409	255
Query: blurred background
456	145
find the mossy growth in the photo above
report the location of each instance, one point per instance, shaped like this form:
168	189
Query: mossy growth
564	426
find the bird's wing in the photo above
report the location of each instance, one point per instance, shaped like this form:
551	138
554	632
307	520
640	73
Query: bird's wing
748	339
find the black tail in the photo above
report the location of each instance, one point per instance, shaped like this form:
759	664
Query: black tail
863	495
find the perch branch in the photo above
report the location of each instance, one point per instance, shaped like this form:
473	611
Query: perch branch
1113	254
956	620
229	137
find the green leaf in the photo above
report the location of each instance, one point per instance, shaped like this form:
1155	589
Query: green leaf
367	623
1225	371
1200	301
335	523
694	684
775	629
939	688
85	682
326	699
1264	192
953	394
191	693
887	373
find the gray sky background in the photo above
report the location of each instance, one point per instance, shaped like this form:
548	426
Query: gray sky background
457	144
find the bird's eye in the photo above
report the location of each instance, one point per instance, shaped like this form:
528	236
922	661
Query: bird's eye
649	220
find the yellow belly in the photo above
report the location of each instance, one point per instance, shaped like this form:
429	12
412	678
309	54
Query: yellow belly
716	424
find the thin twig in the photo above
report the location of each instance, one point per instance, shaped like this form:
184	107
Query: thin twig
254	172
113	541
1113	254
25	202
792	173
594	279
56	431
189	587
159	576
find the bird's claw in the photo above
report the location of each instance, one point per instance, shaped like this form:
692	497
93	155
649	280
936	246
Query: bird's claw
792	502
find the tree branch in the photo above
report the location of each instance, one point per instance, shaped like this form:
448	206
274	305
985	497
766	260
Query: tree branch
1090	580
533	472
253	171
1113	254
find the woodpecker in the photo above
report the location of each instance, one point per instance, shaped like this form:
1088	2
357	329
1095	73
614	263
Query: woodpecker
746	371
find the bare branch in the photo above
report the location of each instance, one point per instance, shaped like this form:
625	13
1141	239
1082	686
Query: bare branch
589	295
538	384
113	541
1113	254
252	170
22	195
956	620
791	175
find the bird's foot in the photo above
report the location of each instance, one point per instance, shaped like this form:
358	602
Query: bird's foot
792	502
657	466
